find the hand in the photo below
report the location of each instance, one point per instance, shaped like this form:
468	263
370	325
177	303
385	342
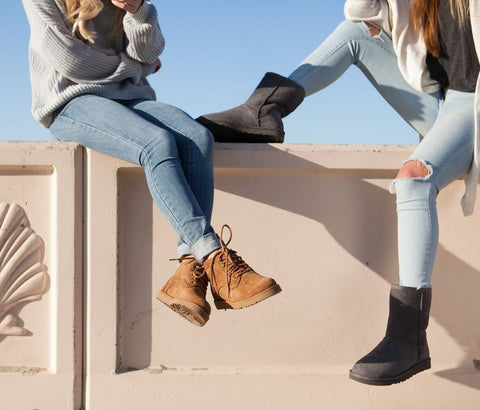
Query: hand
158	65
130	6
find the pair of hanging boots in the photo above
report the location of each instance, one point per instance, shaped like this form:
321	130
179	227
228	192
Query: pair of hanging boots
403	352
259	119
233	283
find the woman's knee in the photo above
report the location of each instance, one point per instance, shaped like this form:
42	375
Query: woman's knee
413	169
161	147
414	186
204	140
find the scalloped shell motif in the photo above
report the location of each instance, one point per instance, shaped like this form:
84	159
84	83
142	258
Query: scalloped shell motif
23	275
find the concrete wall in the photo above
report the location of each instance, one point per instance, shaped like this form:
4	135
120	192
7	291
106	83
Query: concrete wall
319	219
41	206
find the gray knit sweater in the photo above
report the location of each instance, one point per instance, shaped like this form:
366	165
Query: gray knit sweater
62	66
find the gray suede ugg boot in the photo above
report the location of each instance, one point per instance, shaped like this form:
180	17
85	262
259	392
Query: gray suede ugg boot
403	352
259	119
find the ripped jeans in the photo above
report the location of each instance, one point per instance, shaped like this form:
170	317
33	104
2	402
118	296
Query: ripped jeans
447	125
447	151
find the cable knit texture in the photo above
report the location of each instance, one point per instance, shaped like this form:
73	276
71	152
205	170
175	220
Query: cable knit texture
63	66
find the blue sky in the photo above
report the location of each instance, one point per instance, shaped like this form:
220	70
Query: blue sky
216	53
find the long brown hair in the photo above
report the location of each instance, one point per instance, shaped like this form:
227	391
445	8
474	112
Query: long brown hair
425	19
79	12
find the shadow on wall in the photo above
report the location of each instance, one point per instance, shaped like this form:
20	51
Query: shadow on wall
361	220
375	243
136	203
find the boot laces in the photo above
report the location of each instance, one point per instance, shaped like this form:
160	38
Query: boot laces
233	263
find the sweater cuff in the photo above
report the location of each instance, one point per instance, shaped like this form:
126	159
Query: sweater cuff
361	9
142	13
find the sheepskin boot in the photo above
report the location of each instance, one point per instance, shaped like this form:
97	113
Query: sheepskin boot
259	119
403	352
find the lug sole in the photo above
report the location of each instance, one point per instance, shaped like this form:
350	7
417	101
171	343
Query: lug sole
223	133
193	313
387	381
252	300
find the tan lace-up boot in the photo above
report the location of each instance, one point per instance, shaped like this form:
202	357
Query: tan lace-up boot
233	283
185	292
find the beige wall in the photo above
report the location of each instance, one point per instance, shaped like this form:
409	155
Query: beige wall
319	219
40	276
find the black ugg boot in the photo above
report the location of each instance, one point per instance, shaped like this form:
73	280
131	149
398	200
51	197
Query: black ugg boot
403	352
259	119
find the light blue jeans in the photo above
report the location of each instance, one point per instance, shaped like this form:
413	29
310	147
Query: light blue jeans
350	44
447	150
446	123
175	152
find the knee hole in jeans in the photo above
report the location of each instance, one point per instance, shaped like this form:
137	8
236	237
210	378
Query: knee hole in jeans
413	169
372	30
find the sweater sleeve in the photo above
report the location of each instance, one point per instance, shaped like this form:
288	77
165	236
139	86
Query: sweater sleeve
145	41
77	60
374	11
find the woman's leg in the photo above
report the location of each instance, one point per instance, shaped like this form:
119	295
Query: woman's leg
111	128
195	148
355	43
174	154
351	43
444	155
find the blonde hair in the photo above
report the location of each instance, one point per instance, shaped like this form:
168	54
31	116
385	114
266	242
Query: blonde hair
425	18
80	12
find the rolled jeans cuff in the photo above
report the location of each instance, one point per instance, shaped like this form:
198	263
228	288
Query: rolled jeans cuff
182	250
204	246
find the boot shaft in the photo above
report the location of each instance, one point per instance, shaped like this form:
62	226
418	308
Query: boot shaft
409	314
276	92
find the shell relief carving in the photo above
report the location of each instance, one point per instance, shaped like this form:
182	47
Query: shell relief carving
23	274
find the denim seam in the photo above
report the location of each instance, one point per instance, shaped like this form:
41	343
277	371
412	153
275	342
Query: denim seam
87	126
427	262
348	40
167	206
189	159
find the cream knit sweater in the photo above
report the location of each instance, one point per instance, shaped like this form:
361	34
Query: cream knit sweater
62	66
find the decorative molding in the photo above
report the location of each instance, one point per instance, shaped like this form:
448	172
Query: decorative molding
23	275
